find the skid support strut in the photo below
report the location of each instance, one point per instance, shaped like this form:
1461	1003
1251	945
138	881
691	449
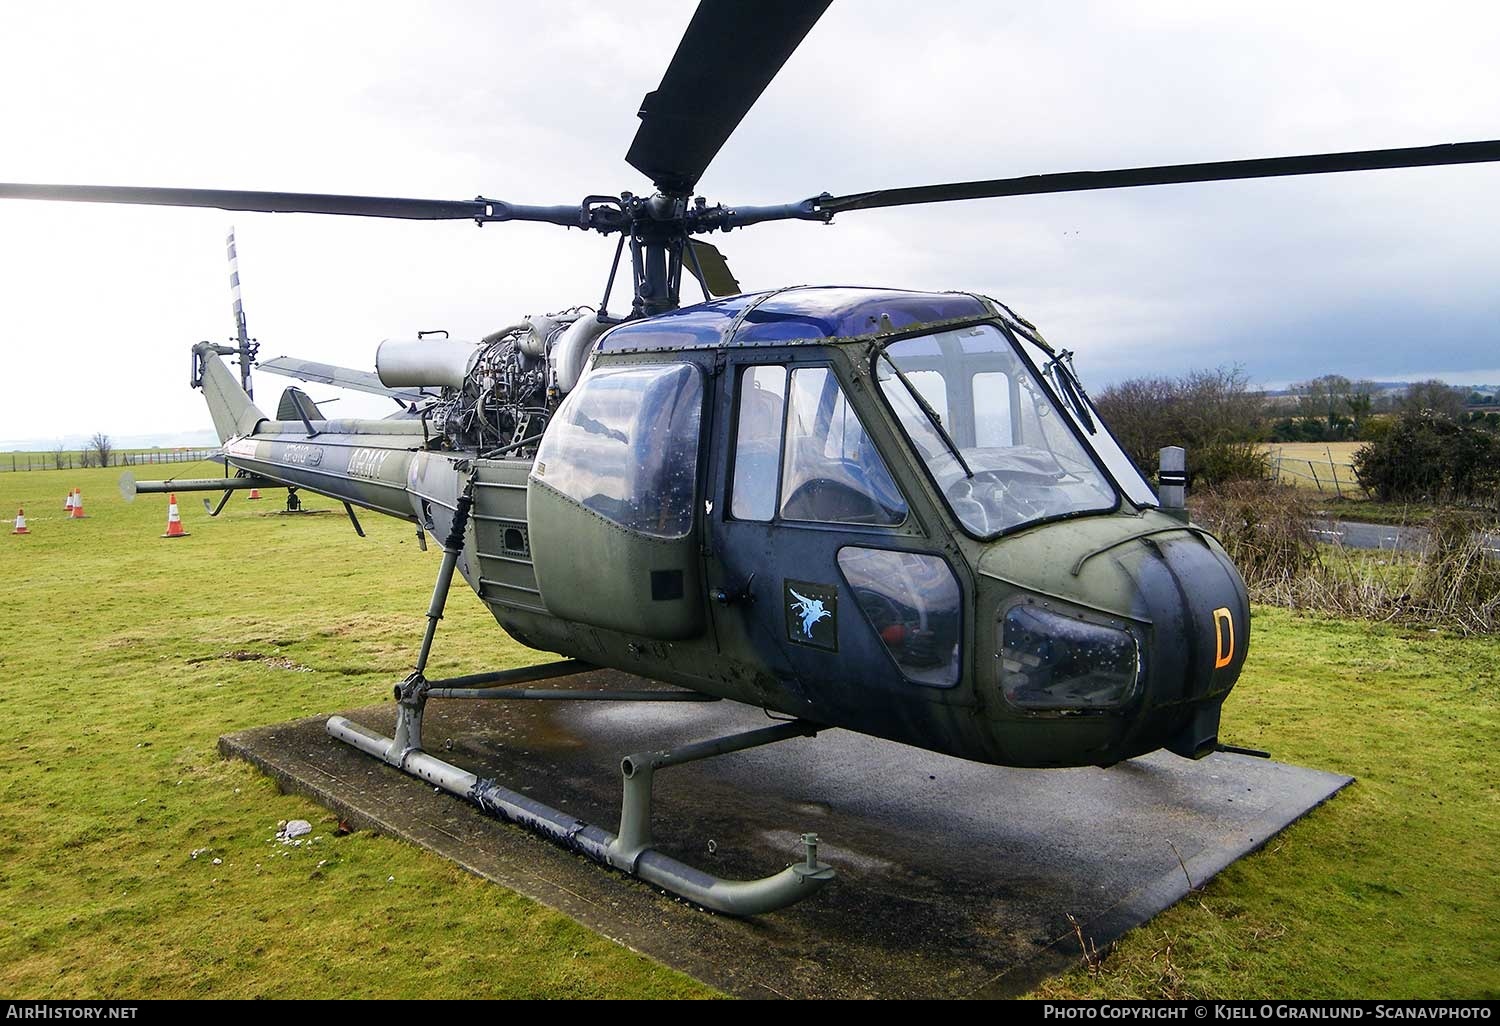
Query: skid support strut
630	850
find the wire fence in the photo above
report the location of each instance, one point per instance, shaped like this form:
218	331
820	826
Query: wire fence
1329	476
18	461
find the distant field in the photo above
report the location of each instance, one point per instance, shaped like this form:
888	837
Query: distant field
1324	467
126	656
36	461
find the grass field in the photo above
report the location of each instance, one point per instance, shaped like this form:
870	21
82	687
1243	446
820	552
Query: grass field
126	656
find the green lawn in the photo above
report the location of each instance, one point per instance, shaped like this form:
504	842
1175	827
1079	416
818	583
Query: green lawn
117	692
120	672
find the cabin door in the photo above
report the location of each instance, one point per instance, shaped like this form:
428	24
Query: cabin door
804	502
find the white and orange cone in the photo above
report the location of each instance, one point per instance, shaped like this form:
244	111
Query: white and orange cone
78	513
254	493
68	504
174	519
21	523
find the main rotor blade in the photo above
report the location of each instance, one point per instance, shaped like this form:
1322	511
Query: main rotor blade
1172	174
267	202
478	209
728	55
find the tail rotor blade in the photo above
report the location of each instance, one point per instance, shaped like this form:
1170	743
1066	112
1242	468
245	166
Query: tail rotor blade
240	329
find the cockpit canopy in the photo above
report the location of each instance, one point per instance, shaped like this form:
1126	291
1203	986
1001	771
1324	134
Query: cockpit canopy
1004	429
992	415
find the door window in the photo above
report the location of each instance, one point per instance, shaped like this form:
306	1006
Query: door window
757	442
831	470
913	604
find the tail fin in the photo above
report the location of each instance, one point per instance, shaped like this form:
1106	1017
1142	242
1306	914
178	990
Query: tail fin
232	410
293	407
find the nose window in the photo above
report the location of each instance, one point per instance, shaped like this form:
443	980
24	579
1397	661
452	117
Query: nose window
912	602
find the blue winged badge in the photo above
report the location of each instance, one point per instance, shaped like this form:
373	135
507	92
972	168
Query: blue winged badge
812	613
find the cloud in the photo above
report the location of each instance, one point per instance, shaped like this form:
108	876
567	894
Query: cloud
1377	275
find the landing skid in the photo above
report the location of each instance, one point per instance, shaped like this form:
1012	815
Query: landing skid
630	849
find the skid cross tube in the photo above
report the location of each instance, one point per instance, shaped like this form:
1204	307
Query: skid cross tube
565	694
630	850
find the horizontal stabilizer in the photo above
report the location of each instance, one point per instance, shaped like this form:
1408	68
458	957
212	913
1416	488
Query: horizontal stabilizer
342	377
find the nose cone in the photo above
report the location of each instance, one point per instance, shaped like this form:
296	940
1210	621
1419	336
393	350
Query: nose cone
1170	585
1199	613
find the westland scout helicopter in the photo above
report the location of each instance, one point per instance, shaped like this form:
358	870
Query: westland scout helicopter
893	512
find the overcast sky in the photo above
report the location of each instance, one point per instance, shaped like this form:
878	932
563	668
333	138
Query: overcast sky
1388	274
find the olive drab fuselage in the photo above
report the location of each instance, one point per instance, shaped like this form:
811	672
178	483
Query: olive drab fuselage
847	567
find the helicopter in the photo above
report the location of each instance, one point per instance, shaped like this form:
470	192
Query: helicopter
887	511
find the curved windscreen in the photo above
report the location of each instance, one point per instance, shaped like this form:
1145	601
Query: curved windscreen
993	435
625	445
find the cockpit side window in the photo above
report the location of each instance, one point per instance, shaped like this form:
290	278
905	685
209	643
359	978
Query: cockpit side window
831	470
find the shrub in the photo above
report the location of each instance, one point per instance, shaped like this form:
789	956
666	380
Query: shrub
1427	456
1456	573
1263	527
1452	582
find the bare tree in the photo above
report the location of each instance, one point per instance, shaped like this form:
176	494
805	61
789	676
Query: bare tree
1213	413
1324	398
1361	402
1434	395
101	448
85	458
59	455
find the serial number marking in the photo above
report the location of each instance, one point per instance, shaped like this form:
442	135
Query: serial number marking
1223	637
302	455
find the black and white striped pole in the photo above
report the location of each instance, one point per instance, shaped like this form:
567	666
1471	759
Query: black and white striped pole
1171	481
242	334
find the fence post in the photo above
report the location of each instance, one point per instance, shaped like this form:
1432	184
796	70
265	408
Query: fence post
1327	451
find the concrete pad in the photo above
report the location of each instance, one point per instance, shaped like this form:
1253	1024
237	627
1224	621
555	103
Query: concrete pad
954	878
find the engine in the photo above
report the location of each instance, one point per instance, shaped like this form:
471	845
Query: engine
498	394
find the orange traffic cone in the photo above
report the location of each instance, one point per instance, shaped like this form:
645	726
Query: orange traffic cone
20	523
174	520
78	513
68	504
254	493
